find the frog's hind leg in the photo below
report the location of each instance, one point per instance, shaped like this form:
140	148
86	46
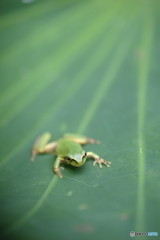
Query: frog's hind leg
41	145
83	140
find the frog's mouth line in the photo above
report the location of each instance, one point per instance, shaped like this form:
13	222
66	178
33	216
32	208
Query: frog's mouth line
77	164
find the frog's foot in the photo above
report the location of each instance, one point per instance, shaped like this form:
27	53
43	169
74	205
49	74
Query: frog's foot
83	140
101	161
34	153
93	141
57	171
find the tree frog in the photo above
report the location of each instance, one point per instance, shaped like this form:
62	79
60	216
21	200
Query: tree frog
68	150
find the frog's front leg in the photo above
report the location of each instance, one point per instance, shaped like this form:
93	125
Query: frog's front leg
98	160
41	145
83	140
56	166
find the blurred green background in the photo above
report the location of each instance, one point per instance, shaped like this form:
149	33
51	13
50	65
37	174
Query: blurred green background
88	67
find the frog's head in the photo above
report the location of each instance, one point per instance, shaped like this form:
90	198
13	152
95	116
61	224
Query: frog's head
77	159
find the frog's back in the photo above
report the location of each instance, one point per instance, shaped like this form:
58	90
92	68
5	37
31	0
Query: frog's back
66	147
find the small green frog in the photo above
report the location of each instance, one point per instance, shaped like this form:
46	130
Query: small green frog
68	150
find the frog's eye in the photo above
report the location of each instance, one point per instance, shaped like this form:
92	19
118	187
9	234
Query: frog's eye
68	158
84	155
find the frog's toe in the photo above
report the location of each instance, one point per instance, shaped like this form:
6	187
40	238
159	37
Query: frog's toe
57	171
101	161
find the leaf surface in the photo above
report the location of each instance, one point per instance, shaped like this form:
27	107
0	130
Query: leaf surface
87	67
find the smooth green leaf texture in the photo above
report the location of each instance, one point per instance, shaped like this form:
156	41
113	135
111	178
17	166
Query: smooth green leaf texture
88	67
